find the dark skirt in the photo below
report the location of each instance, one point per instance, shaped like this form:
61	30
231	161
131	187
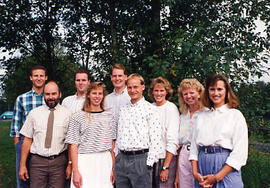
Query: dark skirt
212	163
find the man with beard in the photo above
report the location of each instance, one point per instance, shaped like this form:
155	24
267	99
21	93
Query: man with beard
44	134
23	105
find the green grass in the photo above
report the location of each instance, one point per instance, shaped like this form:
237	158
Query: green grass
7	157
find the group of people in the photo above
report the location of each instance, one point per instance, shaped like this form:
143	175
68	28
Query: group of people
122	140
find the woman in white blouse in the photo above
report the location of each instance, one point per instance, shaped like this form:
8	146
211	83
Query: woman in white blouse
91	134
160	92
190	92
219	146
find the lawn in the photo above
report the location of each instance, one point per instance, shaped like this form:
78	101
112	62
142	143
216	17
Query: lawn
255	174
7	157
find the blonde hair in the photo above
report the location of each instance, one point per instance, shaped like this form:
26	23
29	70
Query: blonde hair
136	75
192	83
165	83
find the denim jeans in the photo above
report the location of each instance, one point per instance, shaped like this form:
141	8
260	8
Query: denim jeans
20	183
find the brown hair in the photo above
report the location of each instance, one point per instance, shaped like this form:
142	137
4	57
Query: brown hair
135	75
36	67
82	71
87	102
230	98
186	84
165	83
118	66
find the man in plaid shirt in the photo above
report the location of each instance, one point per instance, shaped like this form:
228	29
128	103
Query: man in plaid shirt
23	105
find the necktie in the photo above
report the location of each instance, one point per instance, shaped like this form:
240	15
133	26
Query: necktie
49	132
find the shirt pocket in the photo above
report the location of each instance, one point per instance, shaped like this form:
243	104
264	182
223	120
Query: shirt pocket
60	130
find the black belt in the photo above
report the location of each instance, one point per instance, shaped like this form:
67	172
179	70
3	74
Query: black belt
213	149
52	157
134	152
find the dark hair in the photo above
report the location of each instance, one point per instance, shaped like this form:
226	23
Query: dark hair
165	83
87	102
230	98
118	66
82	71
36	67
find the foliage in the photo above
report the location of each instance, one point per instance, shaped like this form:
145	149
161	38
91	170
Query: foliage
255	105
257	171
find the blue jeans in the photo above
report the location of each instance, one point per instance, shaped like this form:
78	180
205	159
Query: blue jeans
20	183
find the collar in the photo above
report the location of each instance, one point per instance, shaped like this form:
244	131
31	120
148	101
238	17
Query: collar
83	97
56	107
221	109
33	92
138	102
122	92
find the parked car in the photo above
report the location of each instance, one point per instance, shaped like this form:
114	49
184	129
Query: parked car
7	115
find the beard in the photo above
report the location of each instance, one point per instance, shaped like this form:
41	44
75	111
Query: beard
51	103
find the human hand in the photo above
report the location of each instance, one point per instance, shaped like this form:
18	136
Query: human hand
112	177
77	179
209	180
176	181
68	171
164	175
23	173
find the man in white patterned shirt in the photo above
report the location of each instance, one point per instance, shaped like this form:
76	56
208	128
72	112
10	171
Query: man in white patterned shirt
138	138
46	143
75	102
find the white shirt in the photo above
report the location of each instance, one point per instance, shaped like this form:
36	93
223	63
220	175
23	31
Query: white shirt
35	127
170	119
114	101
225	127
74	103
139	128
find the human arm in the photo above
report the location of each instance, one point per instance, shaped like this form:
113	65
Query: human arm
77	177
23	173
112	177
165	173
16	121
69	167
176	181
195	172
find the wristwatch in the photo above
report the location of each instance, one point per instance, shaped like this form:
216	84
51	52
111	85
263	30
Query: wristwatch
165	168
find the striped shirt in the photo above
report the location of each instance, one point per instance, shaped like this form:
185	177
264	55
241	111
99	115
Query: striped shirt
92	132
23	105
35	127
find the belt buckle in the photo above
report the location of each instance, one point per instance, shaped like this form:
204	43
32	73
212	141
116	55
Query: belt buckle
51	157
188	147
205	150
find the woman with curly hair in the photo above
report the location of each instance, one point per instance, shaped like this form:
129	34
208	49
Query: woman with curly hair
189	96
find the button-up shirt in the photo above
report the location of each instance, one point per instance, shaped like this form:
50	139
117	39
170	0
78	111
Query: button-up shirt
225	127
169	119
23	105
35	127
186	127
114	101
139	128
74	103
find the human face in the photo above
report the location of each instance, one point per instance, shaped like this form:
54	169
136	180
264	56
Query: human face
96	96
81	83
135	89
159	93
190	96
118	79
51	94
217	93
38	78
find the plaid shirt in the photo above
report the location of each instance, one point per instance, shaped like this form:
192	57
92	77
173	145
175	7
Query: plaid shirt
23	105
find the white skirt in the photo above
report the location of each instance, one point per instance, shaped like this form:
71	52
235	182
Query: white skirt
95	169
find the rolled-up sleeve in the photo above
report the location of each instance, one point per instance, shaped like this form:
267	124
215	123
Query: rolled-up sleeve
239	154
